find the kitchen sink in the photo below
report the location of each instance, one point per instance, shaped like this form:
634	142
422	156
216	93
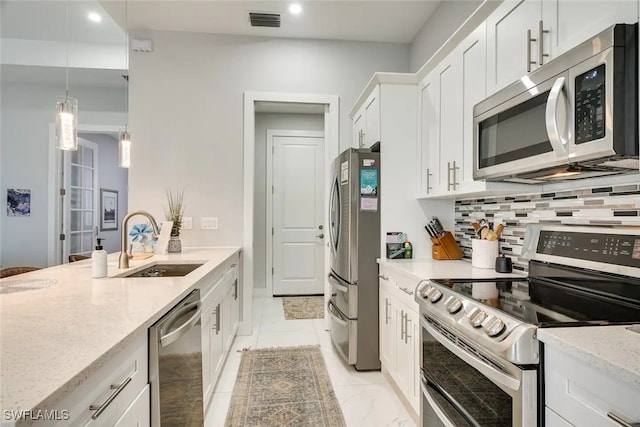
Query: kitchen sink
165	270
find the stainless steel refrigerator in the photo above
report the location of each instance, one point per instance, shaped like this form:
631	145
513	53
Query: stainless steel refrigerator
354	231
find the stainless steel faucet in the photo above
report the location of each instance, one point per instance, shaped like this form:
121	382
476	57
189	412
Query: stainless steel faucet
123	261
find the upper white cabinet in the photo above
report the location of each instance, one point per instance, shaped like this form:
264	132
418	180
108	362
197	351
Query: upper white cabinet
522	35
429	111
366	121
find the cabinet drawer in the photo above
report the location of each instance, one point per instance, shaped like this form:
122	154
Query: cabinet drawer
551	419
137	414
103	397
584	395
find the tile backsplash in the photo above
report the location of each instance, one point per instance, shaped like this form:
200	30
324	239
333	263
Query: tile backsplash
614	205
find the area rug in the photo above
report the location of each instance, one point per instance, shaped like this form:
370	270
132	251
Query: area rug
284	387
296	308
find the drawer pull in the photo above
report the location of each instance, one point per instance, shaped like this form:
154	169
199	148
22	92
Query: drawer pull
617	418
100	409
406	291
383	277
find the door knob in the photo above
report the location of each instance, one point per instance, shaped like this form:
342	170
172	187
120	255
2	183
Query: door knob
320	236
320	227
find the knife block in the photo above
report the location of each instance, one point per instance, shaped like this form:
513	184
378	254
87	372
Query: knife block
445	247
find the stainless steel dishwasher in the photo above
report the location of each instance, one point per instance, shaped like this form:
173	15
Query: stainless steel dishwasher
175	366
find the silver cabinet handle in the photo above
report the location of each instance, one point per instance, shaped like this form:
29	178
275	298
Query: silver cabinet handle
448	176
406	328
406	291
386	311
529	41
402	325
383	277
100	408
541	32
218	319
235	289
454	171
558	143
617	418
429	181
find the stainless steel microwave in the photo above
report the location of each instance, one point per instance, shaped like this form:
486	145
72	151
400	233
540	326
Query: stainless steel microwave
575	117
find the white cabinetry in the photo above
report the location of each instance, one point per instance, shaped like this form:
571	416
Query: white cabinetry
399	334
366	121
117	387
137	414
220	319
577	394
522	35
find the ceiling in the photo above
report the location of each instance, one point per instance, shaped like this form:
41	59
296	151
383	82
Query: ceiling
396	21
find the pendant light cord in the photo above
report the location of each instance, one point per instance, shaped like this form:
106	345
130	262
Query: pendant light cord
66	9
126	41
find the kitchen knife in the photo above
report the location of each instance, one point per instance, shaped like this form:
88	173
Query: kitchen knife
437	225
431	233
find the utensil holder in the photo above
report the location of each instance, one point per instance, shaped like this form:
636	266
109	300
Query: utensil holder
445	247
484	253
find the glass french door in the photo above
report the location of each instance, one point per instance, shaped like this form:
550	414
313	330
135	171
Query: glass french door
81	201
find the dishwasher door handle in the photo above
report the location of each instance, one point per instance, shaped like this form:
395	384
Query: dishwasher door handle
169	338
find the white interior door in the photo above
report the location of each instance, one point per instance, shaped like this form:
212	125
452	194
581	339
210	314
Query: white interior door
297	202
81	199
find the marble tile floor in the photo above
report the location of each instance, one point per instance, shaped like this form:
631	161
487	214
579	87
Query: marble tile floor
367	398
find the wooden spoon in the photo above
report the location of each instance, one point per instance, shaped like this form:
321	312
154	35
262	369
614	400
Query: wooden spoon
491	235
499	229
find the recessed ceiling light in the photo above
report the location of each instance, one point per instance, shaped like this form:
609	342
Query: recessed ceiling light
94	17
295	9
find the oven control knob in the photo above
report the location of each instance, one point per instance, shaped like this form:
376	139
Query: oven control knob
476	317
425	291
435	295
493	326
453	304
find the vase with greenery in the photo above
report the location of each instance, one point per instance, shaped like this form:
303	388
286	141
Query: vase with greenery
174	212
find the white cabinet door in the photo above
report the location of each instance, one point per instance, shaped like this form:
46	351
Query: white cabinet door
510	52
235	307
429	135
372	118
207	373
570	23
387	331
406	354
216	339
551	419
138	413
450	103
359	124
474	89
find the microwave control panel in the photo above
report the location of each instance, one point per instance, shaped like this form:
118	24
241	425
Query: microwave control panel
590	105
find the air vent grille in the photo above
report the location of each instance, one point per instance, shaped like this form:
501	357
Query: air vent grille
264	19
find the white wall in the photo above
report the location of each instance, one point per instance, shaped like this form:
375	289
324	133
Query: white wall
27	112
447	18
111	177
187	112
264	122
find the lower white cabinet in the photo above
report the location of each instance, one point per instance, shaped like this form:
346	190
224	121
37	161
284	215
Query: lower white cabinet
137	414
400	334
577	394
220	319
111	391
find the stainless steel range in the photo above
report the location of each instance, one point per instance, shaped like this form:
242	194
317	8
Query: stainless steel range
480	359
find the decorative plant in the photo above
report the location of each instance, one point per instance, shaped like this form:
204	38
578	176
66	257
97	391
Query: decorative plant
175	210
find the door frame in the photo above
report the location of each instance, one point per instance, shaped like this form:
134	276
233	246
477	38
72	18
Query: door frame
54	250
269	220
332	147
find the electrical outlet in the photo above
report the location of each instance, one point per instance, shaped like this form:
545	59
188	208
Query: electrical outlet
208	223
187	223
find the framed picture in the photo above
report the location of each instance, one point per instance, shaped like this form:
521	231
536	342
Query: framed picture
108	209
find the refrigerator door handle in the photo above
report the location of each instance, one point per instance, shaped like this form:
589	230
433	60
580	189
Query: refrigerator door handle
337	283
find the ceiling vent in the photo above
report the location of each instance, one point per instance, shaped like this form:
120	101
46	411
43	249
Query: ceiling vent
264	19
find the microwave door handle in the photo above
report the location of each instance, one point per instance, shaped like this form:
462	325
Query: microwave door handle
558	143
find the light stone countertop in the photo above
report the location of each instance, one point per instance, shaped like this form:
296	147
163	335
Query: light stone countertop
52	339
427	268
612	349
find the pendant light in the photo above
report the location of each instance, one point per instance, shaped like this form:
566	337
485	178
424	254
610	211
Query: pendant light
124	142
67	108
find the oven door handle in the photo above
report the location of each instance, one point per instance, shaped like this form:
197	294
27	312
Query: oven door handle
487	370
436	408
336	315
335	281
558	143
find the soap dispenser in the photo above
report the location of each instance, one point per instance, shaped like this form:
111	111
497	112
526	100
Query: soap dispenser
99	260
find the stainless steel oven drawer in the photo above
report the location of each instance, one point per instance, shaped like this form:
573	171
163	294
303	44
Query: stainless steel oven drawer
344	296
344	333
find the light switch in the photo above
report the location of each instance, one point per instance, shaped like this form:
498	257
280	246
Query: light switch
208	223
187	223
